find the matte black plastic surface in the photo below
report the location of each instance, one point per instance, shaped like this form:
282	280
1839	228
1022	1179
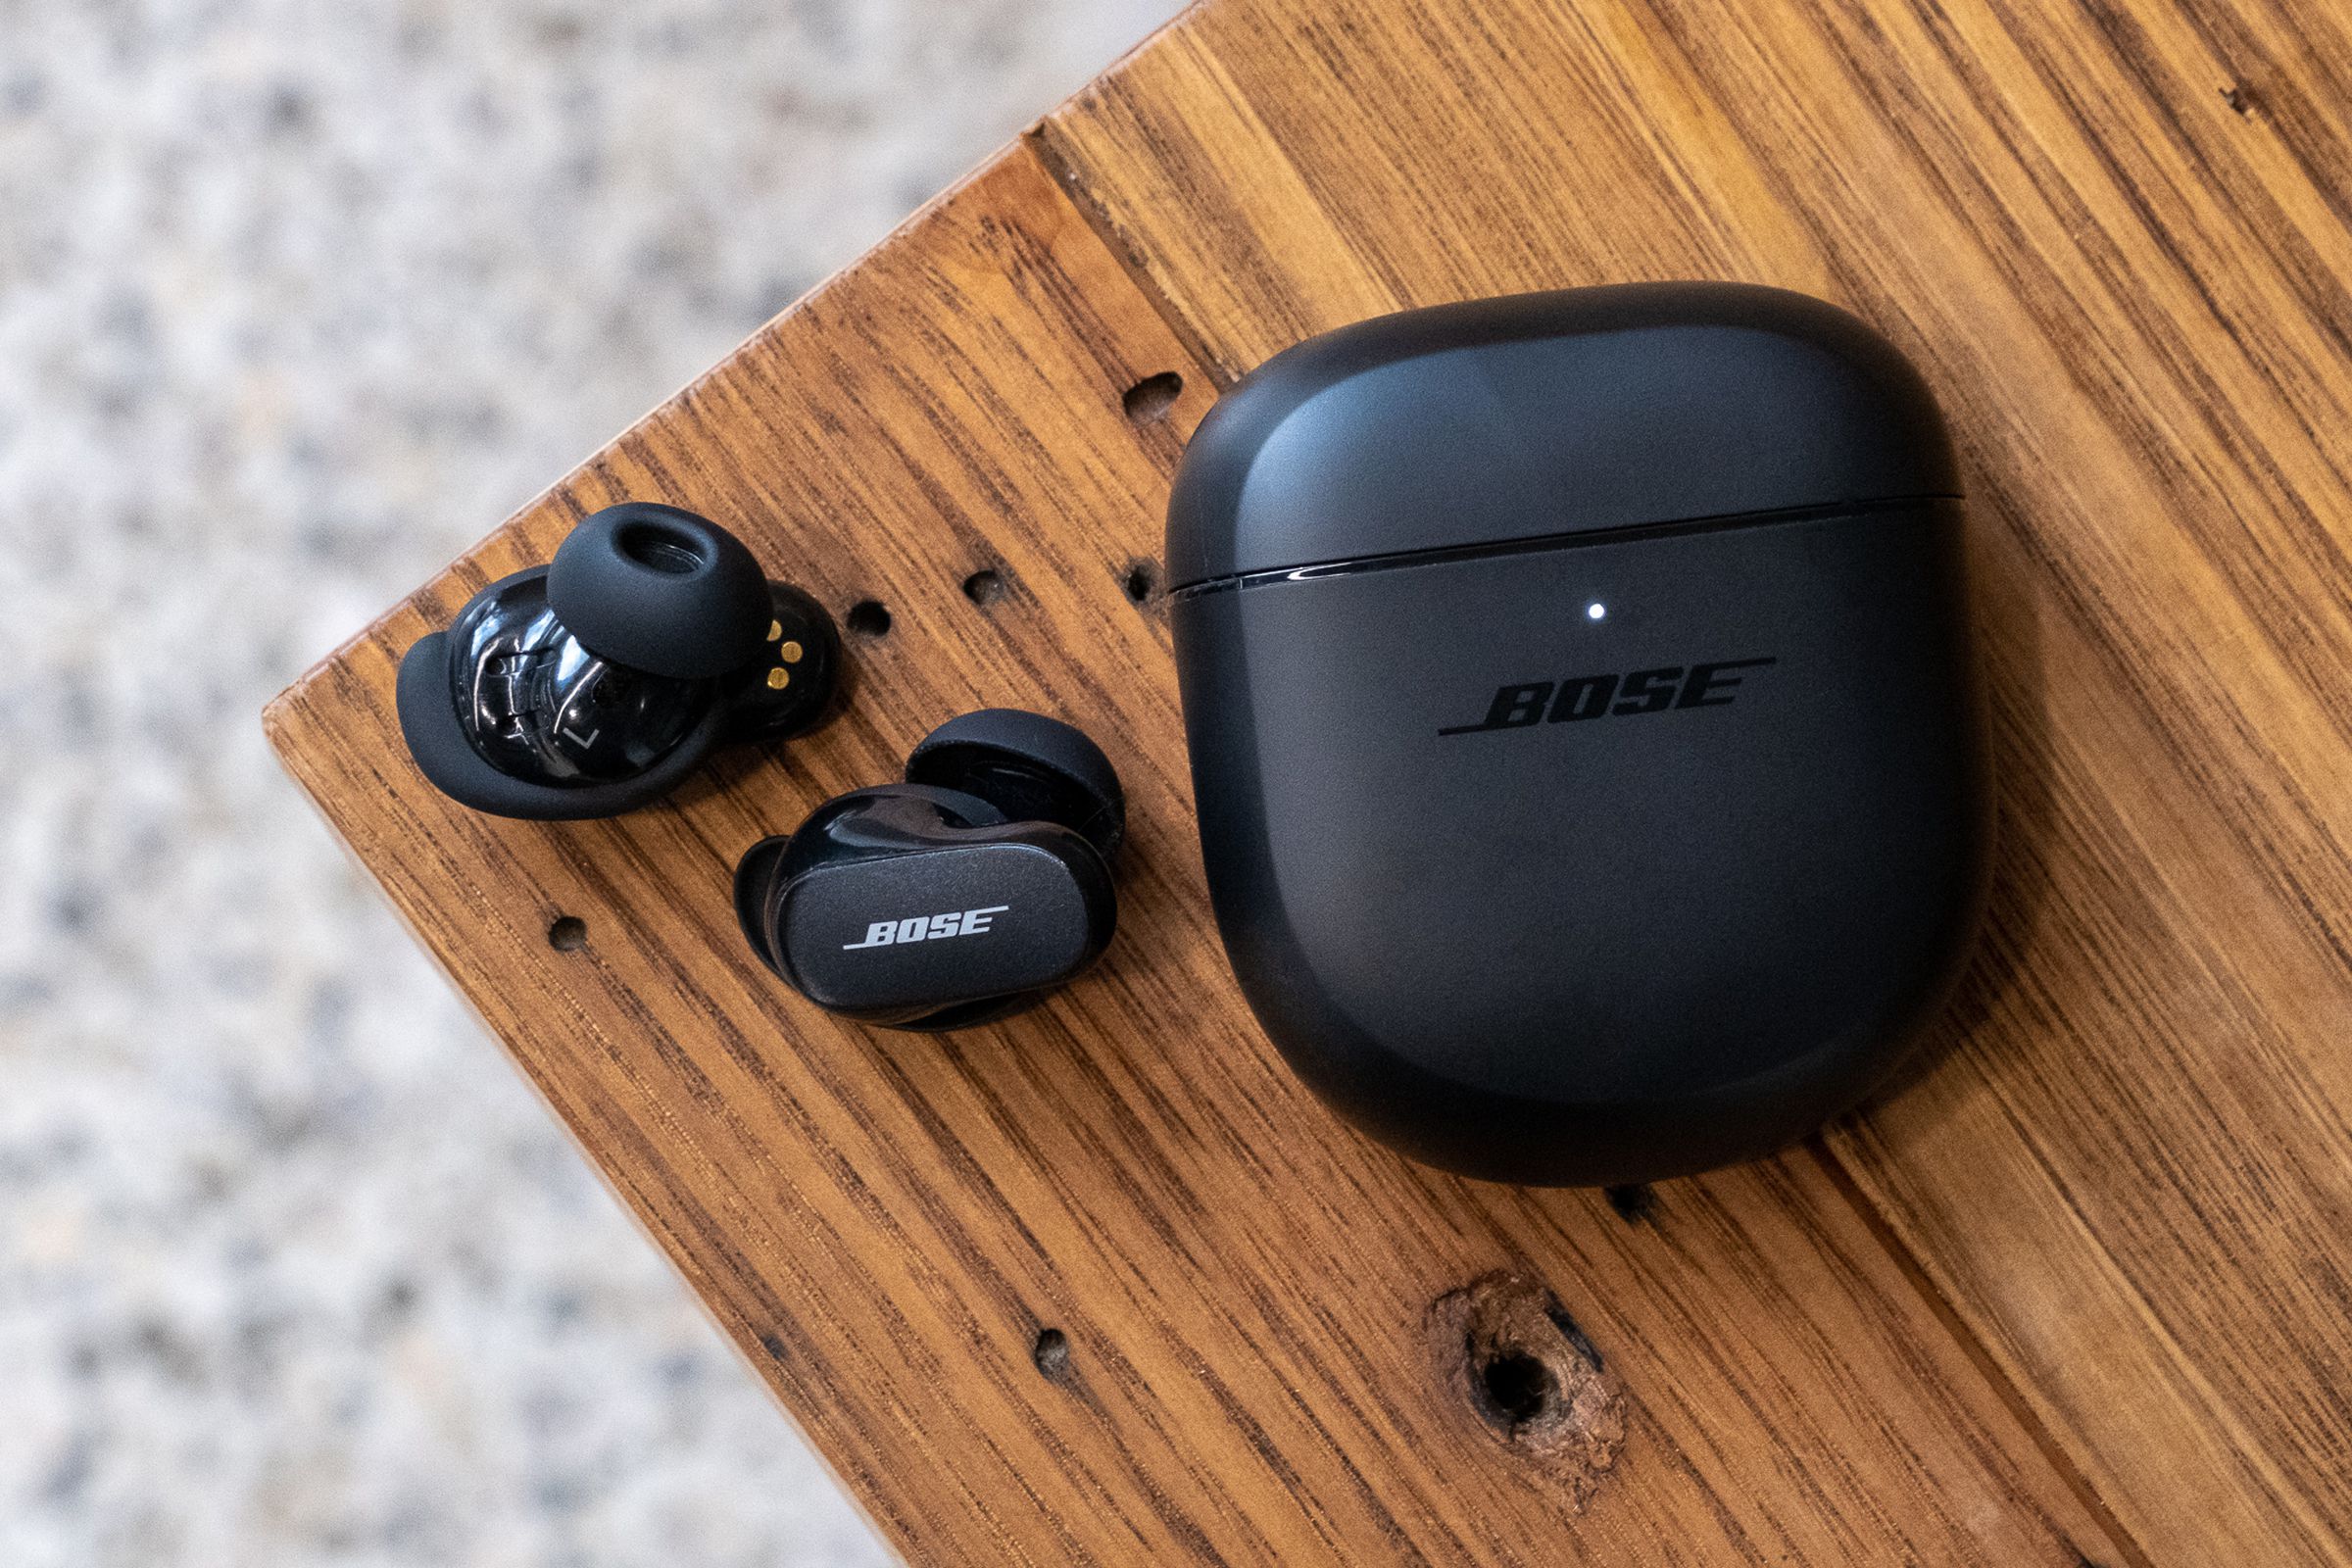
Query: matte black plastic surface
1600	855
1545	415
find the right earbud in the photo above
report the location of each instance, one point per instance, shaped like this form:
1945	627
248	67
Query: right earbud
958	897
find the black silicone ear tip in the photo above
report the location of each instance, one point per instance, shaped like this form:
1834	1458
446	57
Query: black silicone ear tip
1032	766
662	590
428	723
755	877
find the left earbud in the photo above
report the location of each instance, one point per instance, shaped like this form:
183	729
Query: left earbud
963	895
594	685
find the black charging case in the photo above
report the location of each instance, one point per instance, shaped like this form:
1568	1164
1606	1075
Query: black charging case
1583	722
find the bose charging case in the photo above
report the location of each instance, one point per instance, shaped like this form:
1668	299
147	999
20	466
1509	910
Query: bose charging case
1583	722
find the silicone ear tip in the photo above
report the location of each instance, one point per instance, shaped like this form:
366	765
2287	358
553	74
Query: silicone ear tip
428	723
964	751
662	590
437	741
754	876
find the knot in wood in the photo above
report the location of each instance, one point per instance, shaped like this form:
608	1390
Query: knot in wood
1511	1353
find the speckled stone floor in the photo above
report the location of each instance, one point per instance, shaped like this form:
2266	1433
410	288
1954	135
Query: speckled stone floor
297	297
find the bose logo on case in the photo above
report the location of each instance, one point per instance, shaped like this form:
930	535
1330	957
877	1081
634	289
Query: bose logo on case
928	927
1644	691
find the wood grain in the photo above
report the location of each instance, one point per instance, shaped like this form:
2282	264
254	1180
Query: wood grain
1102	1284
2116	239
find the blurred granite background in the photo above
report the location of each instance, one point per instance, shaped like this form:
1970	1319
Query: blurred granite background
297	299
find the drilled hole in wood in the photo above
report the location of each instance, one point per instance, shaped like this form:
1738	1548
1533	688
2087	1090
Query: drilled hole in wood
1150	398
2240	97
1051	1353
568	934
1141	583
984	587
869	617
1634	1202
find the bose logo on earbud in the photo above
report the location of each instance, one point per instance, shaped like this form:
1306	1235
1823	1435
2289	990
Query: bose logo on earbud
928	927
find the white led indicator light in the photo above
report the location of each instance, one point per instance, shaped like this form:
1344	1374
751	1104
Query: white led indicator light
1597	611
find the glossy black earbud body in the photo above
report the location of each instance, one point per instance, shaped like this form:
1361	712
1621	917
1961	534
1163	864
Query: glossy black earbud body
957	898
594	685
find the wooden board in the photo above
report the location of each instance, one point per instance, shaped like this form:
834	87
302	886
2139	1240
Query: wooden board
2115	242
1102	1284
